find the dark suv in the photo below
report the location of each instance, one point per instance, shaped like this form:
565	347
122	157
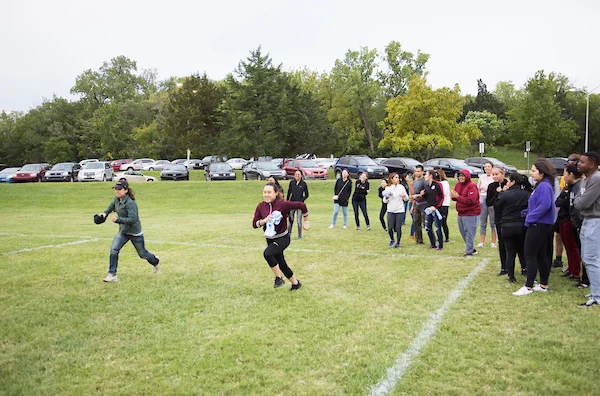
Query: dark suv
63	172
357	164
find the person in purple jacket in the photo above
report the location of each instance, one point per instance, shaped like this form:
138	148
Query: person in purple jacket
539	222
271	215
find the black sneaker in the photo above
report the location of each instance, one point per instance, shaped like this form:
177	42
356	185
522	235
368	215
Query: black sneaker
523	271
296	286
566	275
557	264
512	280
447	240
502	273
278	282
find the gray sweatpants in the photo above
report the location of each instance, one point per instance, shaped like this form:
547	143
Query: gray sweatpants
467	225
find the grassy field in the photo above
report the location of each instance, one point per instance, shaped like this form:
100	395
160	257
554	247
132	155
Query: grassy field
211	323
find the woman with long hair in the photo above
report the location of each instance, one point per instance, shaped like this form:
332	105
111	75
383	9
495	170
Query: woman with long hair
445	208
486	211
434	196
130	229
297	192
278	187
395	196
539	222
271	215
341	195
359	200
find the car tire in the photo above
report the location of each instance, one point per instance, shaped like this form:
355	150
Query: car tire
130	168
150	180
151	169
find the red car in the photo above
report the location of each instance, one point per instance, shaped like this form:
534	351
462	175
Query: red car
309	168
30	173
116	164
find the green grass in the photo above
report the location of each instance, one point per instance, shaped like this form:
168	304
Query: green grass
211	323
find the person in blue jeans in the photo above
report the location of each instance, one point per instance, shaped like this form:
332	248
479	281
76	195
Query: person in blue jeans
342	191
434	196
130	229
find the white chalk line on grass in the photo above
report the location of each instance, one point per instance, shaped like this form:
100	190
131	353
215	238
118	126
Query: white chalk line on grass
392	254
396	372
25	250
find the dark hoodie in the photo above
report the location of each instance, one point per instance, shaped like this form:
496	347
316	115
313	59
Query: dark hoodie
467	203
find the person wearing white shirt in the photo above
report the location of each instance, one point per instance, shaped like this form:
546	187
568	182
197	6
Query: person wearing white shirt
445	208
395	196
484	181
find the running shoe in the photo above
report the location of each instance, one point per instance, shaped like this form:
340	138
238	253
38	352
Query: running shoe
296	286
523	291
278	282
111	278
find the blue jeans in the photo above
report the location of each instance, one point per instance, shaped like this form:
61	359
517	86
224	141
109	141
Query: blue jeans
336	210
120	241
429	219
590	254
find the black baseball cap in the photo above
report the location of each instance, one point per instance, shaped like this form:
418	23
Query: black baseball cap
121	184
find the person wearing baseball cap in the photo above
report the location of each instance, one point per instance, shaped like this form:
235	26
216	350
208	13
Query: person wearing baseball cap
130	229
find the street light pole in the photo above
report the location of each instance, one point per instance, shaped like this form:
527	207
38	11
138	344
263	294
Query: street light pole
587	117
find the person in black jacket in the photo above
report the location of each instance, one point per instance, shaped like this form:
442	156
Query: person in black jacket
565	227
341	196
434	197
495	188
383	211
512	205
359	200
297	192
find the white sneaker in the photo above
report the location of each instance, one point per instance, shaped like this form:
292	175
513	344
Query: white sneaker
523	291
539	288
111	278
493	245
156	268
481	244
344	227
331	226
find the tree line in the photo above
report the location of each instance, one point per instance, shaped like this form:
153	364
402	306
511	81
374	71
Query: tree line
373	102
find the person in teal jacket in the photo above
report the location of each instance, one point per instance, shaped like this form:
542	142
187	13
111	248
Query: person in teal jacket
130	229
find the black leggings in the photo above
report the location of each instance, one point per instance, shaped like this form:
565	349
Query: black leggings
382	213
444	211
513	235
274	254
395	221
501	248
363	208
537	239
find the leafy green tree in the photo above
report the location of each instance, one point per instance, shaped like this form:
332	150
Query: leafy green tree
539	117
193	118
507	94
358	103
424	121
402	66
484	101
491	127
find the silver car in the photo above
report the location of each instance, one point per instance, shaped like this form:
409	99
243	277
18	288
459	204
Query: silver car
96	171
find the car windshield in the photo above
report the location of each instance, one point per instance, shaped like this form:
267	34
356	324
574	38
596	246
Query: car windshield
220	167
266	166
62	167
366	161
27	168
459	164
309	164
94	165
175	167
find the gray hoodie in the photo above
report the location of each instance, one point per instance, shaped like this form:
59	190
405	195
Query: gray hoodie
588	199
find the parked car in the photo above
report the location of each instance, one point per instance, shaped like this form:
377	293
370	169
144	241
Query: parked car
175	172
402	165
156	165
237	163
327	163
63	172
85	161
7	174
96	171
133	176
137	164
451	166
559	164
193	164
262	170
180	161
219	171
309	168
116	164
30	173
358	164
479	162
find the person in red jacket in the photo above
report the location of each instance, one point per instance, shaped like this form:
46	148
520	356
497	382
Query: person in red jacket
466	195
271	215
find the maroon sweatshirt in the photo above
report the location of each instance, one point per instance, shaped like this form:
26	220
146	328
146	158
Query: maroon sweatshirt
264	209
467	203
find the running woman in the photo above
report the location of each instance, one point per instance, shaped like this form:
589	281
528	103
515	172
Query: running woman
272	214
130	229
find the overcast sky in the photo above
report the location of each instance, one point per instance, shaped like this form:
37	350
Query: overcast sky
46	44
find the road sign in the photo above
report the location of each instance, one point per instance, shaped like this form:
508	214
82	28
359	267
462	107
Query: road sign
481	148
